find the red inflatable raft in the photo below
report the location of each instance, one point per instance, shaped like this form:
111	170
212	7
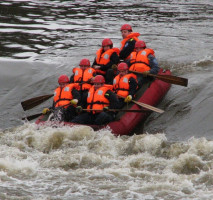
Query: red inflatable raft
126	122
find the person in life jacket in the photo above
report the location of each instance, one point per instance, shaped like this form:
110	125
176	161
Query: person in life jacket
83	76
100	99
125	84
128	42
106	60
143	60
66	97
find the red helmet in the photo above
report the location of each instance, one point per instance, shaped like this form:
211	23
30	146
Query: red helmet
99	79
63	79
126	27
84	62
107	42
140	43
122	66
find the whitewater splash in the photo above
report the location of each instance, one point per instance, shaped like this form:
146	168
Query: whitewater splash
41	40
79	163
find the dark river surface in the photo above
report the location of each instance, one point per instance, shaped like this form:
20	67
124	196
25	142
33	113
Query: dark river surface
41	39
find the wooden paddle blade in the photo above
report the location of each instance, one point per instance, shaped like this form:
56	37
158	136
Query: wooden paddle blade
171	79
33	102
144	105
167	78
147	106
31	117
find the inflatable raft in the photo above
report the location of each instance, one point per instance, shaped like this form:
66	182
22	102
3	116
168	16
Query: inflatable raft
126	123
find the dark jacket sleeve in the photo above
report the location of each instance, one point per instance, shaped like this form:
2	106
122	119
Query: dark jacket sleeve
153	64
94	62
72	78
76	94
114	103
132	86
128	62
128	49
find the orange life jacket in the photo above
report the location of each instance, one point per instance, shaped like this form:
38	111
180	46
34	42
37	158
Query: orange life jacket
139	60
96	98
62	96
121	84
104	58
133	36
81	76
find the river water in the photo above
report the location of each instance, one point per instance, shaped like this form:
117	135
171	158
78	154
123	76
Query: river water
173	159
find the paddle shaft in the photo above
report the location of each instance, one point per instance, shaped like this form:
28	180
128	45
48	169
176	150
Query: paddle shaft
145	105
167	78
33	102
31	117
115	110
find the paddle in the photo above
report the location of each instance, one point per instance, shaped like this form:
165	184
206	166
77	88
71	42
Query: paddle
148	106
33	102
145	105
31	117
168	78
116	110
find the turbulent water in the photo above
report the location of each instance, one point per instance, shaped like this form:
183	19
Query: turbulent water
173	159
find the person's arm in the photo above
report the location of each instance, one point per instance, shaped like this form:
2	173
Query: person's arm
72	78
76	94
114	103
128	62
128	49
153	64
94	62
132	86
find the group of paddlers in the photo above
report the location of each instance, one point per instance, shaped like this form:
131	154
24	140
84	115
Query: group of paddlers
89	95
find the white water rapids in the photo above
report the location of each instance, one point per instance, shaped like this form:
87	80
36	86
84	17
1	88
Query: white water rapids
78	163
171	159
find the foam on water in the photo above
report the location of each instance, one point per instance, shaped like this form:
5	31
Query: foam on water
173	159
84	163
